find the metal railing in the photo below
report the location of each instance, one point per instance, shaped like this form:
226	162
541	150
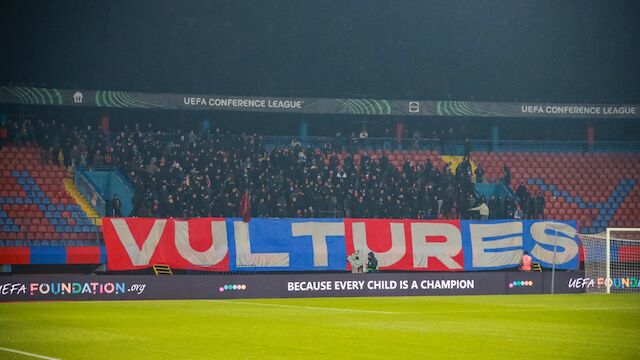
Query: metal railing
455	147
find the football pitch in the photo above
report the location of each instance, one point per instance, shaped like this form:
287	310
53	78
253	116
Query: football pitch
464	327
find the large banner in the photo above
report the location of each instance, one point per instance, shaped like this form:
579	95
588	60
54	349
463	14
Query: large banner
138	100
218	244
148	287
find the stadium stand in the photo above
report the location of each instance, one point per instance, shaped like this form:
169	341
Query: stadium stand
182	173
35	208
598	189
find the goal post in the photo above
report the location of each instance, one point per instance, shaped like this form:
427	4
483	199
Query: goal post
612	260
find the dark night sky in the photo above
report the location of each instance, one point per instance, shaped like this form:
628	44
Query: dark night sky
510	50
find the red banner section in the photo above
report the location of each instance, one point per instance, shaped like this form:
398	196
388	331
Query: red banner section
408	244
136	243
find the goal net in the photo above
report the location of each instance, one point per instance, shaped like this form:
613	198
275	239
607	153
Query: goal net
612	260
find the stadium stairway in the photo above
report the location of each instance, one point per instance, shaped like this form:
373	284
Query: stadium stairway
80	200
455	160
599	190
39	219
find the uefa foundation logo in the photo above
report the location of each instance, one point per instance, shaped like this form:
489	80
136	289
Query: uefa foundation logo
233	287
520	283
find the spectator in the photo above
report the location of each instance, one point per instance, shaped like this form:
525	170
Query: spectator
539	206
372	262
115	206
483	209
467	147
479	174
526	262
506	176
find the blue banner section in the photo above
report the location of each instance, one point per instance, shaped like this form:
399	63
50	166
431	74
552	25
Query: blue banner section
48	255
272	246
500	244
553	241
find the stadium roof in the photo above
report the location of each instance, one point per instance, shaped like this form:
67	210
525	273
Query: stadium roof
544	51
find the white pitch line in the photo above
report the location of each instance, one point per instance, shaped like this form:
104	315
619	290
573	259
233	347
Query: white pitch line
310	307
27	354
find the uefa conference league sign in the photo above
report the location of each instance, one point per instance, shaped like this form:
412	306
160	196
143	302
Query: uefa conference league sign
357	106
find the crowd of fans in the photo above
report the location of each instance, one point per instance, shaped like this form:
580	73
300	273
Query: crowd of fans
195	174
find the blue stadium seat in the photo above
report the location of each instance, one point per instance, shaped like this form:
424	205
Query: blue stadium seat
15	228
46	200
19	200
10	200
1	200
56	214
68	228
19	243
59	228
2	243
74	215
15	173
30	181
569	199
37	201
10	243
21	181
1	221
60	207
28	200
25	173
51	207
53	222
40	194
71	243
62	221
26	187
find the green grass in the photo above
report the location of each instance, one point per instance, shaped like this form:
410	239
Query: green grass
465	327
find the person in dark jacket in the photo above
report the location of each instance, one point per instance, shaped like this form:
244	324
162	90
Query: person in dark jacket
372	262
115	206
539	206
